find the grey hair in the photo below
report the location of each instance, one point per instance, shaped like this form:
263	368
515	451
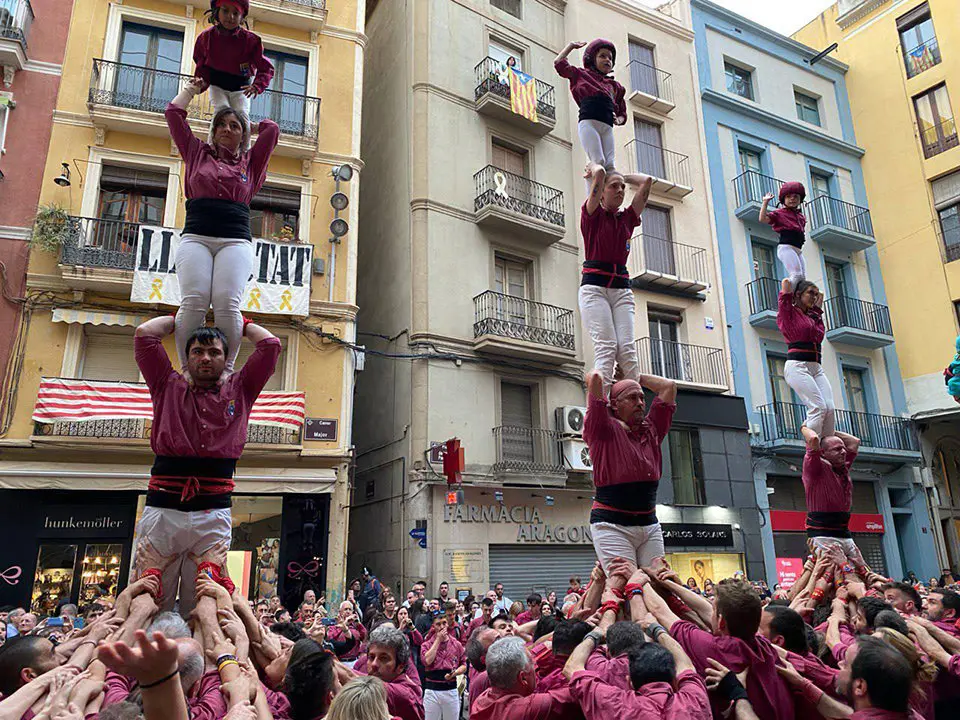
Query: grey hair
171	625
506	659
69	609
389	636
363	698
191	669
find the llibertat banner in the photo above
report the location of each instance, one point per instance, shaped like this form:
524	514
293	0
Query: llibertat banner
278	285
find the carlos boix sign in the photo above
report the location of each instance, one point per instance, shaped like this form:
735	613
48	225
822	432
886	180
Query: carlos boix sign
278	285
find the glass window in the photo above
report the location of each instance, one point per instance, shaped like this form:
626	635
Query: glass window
511	279
918	40
836	280
821	184
254	558
686	466
779	390
148	74
808	107
512	7
854	385
764	262
285	101
739	81
664	348
129	197
54	579
275	214
100	571
950	231
938	130
658	248
749	160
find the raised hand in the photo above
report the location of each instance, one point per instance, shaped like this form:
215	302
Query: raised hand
767	197
577	44
149	660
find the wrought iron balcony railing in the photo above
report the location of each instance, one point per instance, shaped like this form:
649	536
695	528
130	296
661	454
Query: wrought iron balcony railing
312	4
139	429
693	364
782	421
651	80
825	210
514	317
750	186
138	88
660	163
493	77
851	312
16	19
923	57
938	138
97	242
763	294
670	258
527	451
518	194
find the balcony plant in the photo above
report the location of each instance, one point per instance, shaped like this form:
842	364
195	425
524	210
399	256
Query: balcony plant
51	226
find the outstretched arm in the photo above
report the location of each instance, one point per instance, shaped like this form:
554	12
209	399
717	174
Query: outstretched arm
665	388
764	215
641	185
809	436
569	48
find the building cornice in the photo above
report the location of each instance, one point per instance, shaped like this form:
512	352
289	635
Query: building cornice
14	232
648	16
45	68
345	34
736	105
858	13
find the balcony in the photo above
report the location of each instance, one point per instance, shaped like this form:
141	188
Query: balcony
98	254
129	98
528	456
520	328
749	187
695	366
923	57
310	15
519	206
493	98
839	224
670	170
651	87
667	266
938	138
139	429
16	18
762	294
857	322
882	437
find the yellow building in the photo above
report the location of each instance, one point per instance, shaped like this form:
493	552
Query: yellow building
70	490
904	68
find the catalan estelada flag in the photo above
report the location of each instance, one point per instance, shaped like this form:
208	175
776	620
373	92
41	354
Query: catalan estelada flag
523	95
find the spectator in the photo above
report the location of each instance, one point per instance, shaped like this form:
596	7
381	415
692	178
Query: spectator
347	635
903	597
502	603
575	586
309	682
443	661
371	591
387	657
363	698
876	677
443	593
532	612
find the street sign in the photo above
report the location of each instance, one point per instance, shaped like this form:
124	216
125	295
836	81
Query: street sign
319	429
418	533
422	542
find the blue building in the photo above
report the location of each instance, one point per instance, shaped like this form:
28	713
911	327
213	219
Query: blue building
770	116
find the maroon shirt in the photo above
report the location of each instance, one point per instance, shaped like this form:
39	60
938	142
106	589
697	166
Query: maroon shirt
497	704
878	714
405	698
212	174
474	624
606	234
767	691
205	701
525	617
653	701
826	488
192	422
479	683
786	219
236	52
449	656
335	633
822	676
795	324
613	671
587	83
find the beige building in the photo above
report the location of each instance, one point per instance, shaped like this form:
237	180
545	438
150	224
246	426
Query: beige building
468	274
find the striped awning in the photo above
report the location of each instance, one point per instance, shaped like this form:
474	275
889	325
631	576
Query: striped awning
97	317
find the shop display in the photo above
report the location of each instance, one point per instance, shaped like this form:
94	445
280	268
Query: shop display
268	559
54	578
100	571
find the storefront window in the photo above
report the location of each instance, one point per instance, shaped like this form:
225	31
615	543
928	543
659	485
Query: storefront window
54	578
100	571
254	557
686	466
703	566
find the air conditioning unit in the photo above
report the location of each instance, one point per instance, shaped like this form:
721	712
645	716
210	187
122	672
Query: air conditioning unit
570	420
576	456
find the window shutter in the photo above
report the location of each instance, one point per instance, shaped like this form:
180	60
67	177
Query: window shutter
275	198
276	380
516	405
108	356
920	12
115	177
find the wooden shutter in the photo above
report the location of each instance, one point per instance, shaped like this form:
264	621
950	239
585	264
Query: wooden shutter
656	223
643	76
276	380
509	160
516	405
649	148
108	355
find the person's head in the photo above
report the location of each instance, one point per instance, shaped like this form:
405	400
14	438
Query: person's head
486	607
282	615
924	670
501	623
411	596
440	622
498	589
574	582
614	191
309	596
363	698
623	636
552	598
450	609
515	609
904	597
124	710
692	583
867	610
478	644
92	611
874	674
709	589
356	586
4	612
309	681
189	661
420	588
934	583
784	627
68	610
600	55
891	620
806	294
403	614
434	606
651	663
228	14
834	451
387	652
26	623
171	624
627	402
545	625
389	605
510	667
206	355
307	611
22	659
345	610
942	604
230	130
792	194
291	631
444	590
738	609
534	601
567	634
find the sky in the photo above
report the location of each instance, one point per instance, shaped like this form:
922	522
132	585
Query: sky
784	16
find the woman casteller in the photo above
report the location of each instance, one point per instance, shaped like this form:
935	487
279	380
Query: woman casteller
215	257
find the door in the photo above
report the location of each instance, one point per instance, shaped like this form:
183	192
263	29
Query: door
664	348
511	281
658	249
516	417
502	54
854	389
519	196
823	210
842	307
149	72
649	144
764	290
285	102
789	414
751	184
938	130
643	73
509	160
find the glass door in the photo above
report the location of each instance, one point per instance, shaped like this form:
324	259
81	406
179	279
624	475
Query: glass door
753	180
511	283
854	388
664	348
53	581
287	105
149	73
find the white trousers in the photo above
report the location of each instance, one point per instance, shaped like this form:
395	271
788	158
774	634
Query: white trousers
641	544
597	140
810	383
792	260
216	270
846	545
180	535
441	704
607	315
235	99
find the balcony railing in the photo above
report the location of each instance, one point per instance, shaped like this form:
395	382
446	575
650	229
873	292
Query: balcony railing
312	4
139	429
518	194
16	19
938	138
660	163
853	313
782	421
514	317
138	88
95	242
750	186
826	210
923	57
693	364
527	451
656	256
763	294
651	80
493	77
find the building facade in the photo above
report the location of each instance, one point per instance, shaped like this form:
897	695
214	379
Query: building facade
902	75
470	264
773	116
74	486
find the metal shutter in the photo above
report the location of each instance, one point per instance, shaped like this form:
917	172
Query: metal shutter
276	380
527	568
108	356
871	547
516	411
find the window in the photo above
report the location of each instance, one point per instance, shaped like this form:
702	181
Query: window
276	381
764	263
686	466
750	186
749	160
275	213
128	198
511	278
516	415
649	143
854	387
739	80
107	354
509	159
6	101
286	105
779	390
808	107
918	40
950	230
938	130
836	280
511	7
820	184
149	71
643	73
502	53
658	250
664	348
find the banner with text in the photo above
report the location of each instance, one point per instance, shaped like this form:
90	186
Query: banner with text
278	285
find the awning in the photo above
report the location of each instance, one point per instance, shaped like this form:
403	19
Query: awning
95	317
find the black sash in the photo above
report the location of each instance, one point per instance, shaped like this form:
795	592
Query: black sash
597	107
792	237
828	524
804	352
605	274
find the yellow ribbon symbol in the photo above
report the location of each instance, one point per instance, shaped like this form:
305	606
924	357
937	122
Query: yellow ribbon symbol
254	303
155	290
285	300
